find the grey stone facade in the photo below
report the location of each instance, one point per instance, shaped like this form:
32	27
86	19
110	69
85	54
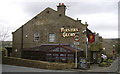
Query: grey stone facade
48	22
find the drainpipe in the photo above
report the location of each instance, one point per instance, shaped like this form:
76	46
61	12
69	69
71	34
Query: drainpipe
22	41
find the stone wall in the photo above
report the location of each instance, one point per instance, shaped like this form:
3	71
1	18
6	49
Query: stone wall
36	64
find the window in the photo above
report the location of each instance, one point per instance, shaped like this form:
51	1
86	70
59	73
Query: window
70	55
48	54
56	50
76	43
55	54
72	58
62	54
51	37
36	36
62	50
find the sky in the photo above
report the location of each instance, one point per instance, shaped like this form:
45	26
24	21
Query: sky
101	15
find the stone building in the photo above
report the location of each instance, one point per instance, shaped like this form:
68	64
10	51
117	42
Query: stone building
96	49
50	27
110	45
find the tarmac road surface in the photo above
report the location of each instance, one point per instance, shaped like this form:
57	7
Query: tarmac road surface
10	68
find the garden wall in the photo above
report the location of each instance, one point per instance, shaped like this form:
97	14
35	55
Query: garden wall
36	64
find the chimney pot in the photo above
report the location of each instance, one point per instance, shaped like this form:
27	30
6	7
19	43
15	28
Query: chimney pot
59	3
77	19
61	8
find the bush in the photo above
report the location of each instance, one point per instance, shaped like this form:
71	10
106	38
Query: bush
104	64
109	61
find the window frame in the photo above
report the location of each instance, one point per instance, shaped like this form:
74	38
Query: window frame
36	36
51	38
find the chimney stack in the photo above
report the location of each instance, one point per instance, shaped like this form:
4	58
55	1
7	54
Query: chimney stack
78	20
86	24
61	8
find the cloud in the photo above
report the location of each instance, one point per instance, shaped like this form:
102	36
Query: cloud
100	14
111	34
92	8
75	8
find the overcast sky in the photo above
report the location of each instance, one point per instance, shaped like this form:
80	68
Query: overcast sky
101	15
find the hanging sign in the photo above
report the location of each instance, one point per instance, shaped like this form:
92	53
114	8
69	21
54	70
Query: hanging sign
91	38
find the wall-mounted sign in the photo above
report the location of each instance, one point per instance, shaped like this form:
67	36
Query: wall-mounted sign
76	43
76	37
69	32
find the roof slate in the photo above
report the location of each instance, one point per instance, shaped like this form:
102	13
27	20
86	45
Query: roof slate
46	48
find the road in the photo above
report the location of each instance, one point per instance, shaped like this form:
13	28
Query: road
119	65
10	68
95	68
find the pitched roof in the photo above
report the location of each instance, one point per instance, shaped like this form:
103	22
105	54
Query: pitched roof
47	47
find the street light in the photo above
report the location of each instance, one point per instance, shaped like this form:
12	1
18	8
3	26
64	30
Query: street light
113	45
104	51
103	48
76	59
113	51
85	31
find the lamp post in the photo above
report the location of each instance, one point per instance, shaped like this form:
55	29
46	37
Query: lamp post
113	51
76	59
76	39
86	55
85	31
104	51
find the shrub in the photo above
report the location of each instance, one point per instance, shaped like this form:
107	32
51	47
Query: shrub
104	64
109	61
109	56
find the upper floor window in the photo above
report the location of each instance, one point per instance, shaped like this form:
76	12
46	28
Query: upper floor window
36	36
52	37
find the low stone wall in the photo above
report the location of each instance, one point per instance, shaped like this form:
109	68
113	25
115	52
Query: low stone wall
36	64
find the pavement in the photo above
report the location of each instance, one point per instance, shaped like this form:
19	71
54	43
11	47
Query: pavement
95	68
112	68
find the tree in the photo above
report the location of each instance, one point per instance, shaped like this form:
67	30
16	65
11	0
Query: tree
4	35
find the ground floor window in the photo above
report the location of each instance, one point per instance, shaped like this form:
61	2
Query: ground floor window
60	57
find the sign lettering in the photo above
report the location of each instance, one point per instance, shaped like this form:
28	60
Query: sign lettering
69	32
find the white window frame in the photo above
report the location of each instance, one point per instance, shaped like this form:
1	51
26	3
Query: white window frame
36	36
51	37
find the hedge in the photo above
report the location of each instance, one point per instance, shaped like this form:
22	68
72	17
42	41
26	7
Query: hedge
36	63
